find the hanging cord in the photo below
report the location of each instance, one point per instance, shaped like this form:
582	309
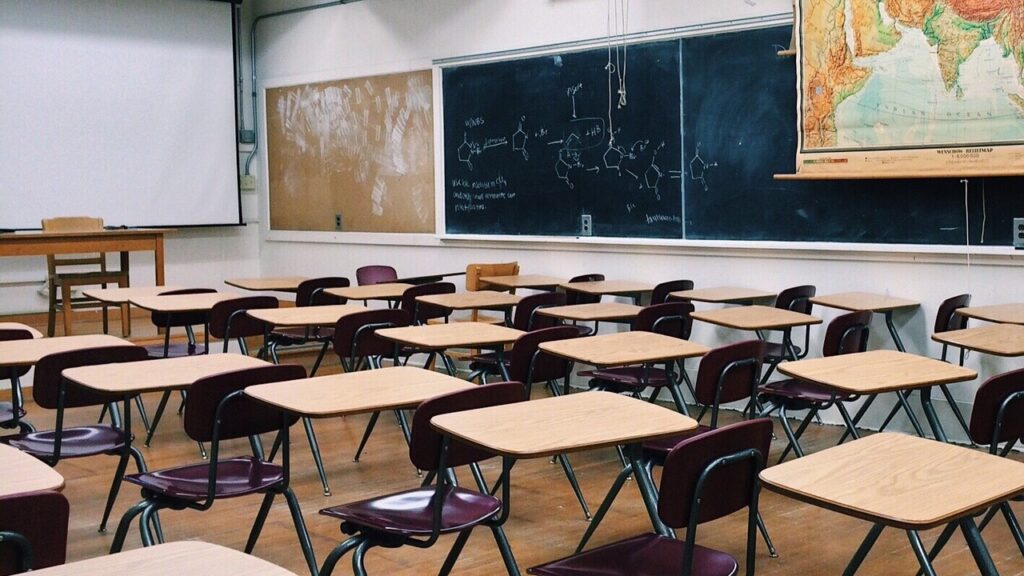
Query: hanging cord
967	234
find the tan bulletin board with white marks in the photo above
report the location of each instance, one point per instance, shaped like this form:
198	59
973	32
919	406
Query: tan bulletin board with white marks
353	155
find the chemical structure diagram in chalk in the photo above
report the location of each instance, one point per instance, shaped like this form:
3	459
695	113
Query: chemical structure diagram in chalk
519	140
699	168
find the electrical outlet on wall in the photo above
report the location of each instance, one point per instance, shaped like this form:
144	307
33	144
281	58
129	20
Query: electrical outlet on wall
1018	233
337	222
586	225
247	181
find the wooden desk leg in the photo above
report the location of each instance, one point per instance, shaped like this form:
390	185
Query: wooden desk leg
126	311
65	298
158	256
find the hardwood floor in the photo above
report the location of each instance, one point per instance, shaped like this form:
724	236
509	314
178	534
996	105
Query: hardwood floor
545	524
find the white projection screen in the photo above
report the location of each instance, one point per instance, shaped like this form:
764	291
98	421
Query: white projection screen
122	109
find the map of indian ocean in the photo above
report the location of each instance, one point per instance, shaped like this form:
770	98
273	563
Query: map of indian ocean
888	74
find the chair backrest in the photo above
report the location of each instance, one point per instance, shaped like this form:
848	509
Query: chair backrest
425	441
847	334
728	374
162	319
947	319
797	299
375	274
229	320
1006	388
526	317
726	488
41	518
574	297
47	382
73	224
661	291
529	365
355	334
310	292
420	312
668	318
243	416
14	334
475	271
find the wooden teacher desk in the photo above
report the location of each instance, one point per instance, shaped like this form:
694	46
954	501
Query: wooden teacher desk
123	241
193	558
24	473
565	424
905	482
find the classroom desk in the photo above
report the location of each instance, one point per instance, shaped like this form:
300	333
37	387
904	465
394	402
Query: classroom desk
478	300
122	297
995	339
123	241
880	371
904	482
724	295
280	284
392	388
428	279
28	352
757	318
24	473
599	312
624	349
635	290
529	281
304	316
865	301
440	337
193	558
387	291
566	424
181	303
19	326
1000	313
130	379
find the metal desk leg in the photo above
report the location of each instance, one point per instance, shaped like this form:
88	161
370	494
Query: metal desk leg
933	418
863	550
978	548
901	395
922	558
501	363
892	331
645	484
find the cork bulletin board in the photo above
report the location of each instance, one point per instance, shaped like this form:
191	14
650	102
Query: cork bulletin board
353	155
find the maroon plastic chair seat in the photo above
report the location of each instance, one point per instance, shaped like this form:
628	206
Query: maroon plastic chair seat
75	442
235	477
647	555
801	390
410	513
42	519
628	377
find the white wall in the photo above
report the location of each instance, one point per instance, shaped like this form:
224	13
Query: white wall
391	35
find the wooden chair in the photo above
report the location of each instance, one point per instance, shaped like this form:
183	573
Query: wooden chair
473	284
89	270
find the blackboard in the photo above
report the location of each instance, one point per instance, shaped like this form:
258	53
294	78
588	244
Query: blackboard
736	111
532	145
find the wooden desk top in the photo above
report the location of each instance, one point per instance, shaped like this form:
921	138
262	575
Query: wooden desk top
28	352
193	558
453	335
124	295
357	392
387	291
305	315
996	339
593	312
24	473
523	281
610	287
724	295
860	301
624	348
561	424
877	371
1001	313
281	284
20	326
898	480
202	302
755	318
130	378
472	300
